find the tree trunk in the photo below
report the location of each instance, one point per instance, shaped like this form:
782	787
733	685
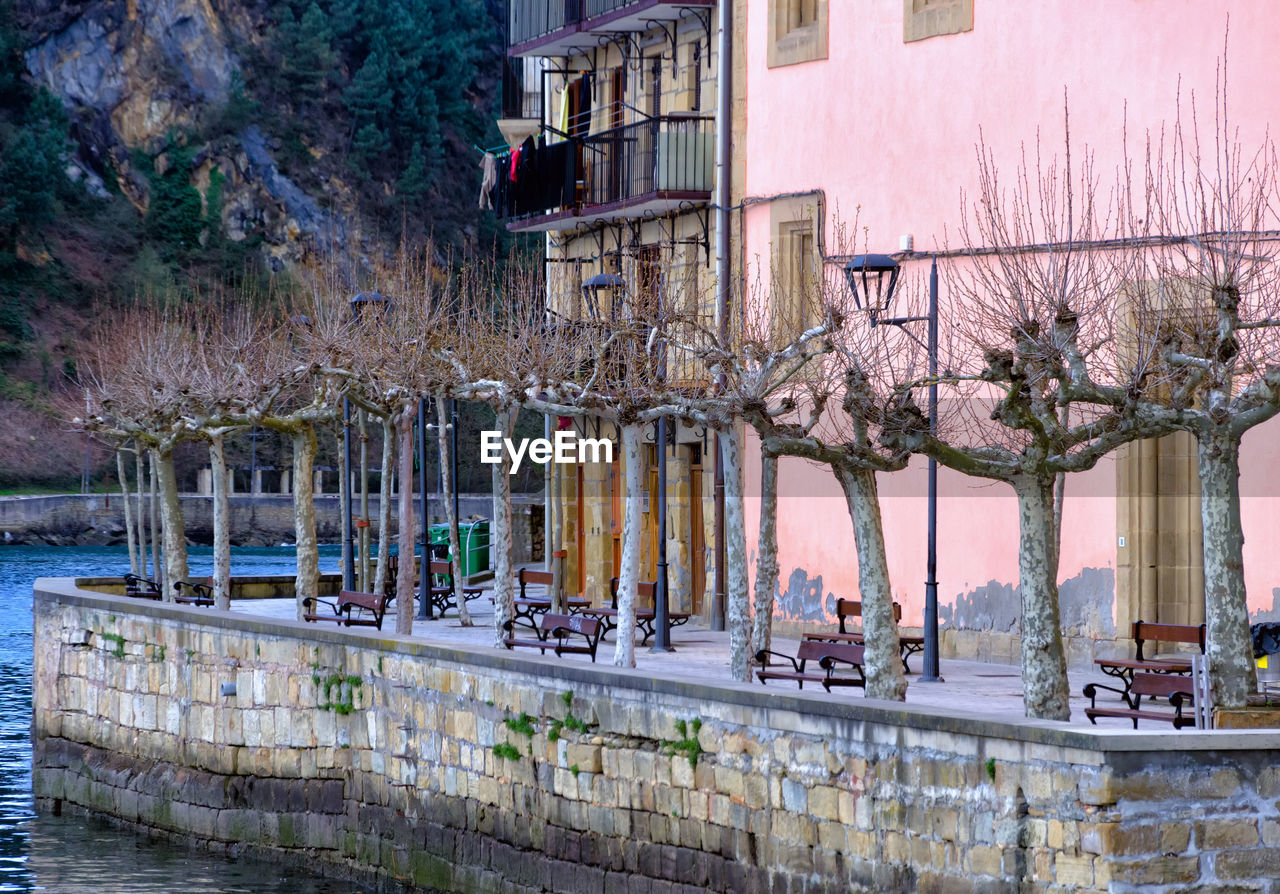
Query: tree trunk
451	519
141	486
364	501
1228	645
883	660
156	567
129	534
384	502
175	536
735	535
304	515
221	526
1044	666
404	573
499	537
766	554
624	650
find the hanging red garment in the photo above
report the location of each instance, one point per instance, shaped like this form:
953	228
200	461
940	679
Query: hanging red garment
515	159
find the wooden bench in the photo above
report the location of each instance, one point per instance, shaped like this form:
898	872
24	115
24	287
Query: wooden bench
529	609
646	618
193	592
350	609
831	657
141	587
441	590
1144	632
566	634
1177	689
852	608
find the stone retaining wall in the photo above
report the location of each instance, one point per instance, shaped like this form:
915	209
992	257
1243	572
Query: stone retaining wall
382	755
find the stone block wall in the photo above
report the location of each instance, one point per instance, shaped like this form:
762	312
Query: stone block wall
483	771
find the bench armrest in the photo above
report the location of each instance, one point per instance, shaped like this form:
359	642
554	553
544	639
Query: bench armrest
762	658
311	603
1091	693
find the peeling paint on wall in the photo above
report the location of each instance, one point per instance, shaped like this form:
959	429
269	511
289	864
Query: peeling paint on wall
1268	614
1087	603
993	606
803	599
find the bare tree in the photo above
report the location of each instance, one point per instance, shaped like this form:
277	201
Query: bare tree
1037	387
1205	310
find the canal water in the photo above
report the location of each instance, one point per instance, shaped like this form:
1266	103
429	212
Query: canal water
71	855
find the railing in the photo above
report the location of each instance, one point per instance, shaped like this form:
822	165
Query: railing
530	19
533	19
661	154
521	90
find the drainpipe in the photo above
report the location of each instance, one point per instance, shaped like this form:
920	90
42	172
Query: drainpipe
724	161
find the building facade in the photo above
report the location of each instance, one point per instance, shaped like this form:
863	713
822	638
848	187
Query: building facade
610	109
873	112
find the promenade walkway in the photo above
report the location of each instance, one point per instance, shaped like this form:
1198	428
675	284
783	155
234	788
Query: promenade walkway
975	688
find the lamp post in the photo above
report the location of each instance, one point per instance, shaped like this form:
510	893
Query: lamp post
863	273
425	609
361	303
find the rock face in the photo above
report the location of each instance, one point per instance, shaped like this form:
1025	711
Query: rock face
132	73
145	64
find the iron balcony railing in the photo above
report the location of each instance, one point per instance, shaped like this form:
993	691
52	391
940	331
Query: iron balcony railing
530	19
669	159
670	154
538	20
521	90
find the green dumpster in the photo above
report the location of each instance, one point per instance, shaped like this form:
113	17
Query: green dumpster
473	537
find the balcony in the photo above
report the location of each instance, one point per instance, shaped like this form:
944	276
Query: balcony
560	27
644	169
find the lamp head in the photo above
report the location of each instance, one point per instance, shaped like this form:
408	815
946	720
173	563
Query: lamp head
872	280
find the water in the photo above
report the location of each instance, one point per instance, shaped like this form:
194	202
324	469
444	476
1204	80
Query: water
72	854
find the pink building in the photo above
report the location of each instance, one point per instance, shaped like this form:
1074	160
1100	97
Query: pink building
875	109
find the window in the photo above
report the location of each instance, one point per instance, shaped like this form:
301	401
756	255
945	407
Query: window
796	284
922	19
797	31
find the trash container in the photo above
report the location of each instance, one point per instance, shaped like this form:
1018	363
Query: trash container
473	537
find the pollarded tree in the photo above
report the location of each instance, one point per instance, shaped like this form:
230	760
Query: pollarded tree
504	354
137	377
1205	307
1034	346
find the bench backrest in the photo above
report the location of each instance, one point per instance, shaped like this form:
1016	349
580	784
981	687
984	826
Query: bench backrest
374	602
852	608
644	589
530	576
815	650
1144	631
1162	684
583	624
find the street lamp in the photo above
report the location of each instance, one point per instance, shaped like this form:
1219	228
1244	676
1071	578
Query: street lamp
863	273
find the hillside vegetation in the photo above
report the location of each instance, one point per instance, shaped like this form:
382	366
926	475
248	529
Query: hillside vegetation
152	150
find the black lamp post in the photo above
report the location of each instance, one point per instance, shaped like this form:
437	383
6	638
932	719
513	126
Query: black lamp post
360	303
425	612
880	272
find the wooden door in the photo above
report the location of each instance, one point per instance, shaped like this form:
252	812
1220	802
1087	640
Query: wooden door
697	536
579	540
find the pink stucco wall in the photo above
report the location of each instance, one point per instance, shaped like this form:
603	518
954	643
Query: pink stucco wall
889	130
